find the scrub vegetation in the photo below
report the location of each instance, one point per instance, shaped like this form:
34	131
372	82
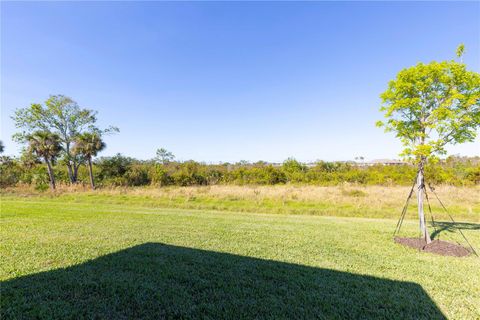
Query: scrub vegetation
125	171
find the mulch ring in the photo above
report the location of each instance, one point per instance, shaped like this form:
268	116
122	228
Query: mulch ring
443	248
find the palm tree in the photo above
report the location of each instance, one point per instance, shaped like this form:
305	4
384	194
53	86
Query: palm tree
88	145
45	145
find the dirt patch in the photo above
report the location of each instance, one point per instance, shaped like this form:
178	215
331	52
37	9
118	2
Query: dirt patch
443	248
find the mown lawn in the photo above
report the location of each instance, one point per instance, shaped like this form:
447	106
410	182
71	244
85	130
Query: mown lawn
64	258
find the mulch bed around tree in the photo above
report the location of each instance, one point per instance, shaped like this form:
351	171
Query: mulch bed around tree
443	248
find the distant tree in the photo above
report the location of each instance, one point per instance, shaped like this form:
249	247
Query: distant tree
429	106
46	146
88	145
460	51
294	170
28	159
164	156
2	148
292	165
10	171
61	116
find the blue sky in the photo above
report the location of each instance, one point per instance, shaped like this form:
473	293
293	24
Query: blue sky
218	81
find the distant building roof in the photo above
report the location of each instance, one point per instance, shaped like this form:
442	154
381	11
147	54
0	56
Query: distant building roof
387	161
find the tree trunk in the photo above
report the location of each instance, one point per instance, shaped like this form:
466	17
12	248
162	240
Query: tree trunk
50	174
90	171
421	213
75	172
70	172
70	163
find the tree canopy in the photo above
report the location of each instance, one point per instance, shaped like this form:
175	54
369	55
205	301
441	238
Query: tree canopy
431	105
45	145
61	116
164	156
88	145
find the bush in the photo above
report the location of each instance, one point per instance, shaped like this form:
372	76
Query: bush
39	178
113	167
294	171
473	175
188	174
124	171
160	177
10	172
137	175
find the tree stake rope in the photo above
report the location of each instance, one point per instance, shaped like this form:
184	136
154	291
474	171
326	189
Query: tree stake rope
431	213
405	207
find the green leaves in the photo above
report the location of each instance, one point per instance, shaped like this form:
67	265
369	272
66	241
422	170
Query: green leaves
460	50
44	144
164	156
431	105
62	116
88	145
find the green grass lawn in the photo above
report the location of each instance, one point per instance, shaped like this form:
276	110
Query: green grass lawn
65	258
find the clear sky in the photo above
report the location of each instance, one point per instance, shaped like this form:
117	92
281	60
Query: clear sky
222	81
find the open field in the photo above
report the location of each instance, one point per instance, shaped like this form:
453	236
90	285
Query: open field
344	201
106	254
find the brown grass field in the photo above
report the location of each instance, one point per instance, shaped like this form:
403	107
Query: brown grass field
346	200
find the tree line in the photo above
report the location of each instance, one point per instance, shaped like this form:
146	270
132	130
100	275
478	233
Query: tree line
163	170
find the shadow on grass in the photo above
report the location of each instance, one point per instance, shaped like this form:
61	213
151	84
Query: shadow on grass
445	227
154	281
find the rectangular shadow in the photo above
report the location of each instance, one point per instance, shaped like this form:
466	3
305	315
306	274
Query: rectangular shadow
158	281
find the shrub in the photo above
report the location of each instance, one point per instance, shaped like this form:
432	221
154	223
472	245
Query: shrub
137	175
124	171
10	172
160	176
113	167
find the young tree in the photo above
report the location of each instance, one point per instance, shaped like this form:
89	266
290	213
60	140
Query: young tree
429	106
163	156
62	116
88	145
47	146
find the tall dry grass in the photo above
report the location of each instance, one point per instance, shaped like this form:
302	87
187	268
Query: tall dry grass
465	199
